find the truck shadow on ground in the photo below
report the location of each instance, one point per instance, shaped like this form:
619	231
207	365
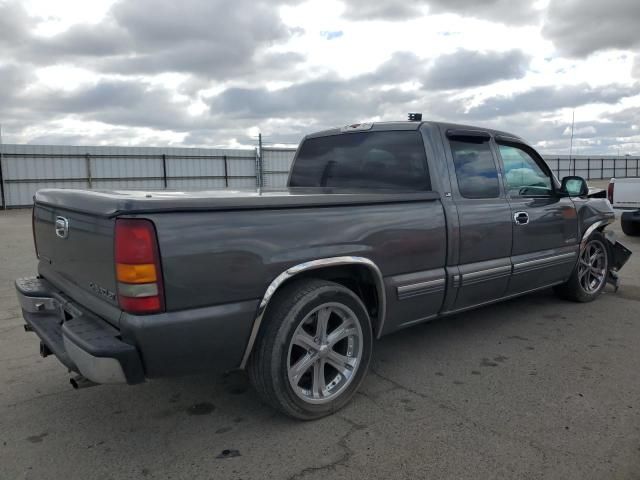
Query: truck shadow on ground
231	396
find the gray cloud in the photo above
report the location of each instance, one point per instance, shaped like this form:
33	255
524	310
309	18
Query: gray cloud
401	67
464	69
502	11
317	98
214	40
120	102
13	79
458	70
15	110
580	27
548	98
15	24
203	37
382	10
78	43
552	136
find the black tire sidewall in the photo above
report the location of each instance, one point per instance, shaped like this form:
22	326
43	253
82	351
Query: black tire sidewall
280	353
630	226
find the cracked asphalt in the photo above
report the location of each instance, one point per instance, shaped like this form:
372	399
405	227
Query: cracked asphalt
532	388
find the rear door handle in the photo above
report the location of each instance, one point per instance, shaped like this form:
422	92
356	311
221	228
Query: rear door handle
521	218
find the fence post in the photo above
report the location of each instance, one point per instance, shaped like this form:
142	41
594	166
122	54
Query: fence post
87	159
558	166
626	167
614	167
226	171
4	203
588	168
601	168
260	160
164	170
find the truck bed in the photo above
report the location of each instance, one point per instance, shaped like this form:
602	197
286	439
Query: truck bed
113	203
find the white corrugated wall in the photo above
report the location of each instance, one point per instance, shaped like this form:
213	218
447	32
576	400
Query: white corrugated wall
27	168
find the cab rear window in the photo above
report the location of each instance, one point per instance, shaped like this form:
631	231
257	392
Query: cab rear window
391	159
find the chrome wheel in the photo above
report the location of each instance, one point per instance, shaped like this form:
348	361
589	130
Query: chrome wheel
592	269
324	353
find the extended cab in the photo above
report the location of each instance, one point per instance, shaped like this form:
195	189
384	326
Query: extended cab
383	226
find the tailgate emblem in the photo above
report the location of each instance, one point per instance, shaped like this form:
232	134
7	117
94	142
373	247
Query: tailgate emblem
62	227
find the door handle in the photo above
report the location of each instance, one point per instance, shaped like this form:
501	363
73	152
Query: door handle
521	218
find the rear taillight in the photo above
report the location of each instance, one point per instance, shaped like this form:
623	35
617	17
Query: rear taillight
610	190
33	229
137	257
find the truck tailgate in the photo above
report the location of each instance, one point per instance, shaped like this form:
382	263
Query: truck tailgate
76	249
626	193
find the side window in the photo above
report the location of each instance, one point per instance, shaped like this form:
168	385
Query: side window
378	159
523	175
475	168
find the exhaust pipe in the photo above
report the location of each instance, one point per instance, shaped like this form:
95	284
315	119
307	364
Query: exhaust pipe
79	382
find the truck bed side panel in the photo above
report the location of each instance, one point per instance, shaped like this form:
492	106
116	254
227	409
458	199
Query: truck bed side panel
213	258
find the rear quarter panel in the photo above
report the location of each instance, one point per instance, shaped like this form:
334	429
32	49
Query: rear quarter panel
211	258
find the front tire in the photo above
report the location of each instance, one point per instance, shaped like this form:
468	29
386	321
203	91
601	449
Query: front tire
589	276
630	224
313	350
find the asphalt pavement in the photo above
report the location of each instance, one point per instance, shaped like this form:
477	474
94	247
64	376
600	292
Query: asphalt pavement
535	387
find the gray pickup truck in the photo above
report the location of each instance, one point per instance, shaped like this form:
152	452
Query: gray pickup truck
383	226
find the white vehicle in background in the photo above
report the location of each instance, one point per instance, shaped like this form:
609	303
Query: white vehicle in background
624	193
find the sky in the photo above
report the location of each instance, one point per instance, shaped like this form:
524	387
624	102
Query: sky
206	73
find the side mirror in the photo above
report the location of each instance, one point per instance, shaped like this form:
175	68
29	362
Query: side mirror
574	186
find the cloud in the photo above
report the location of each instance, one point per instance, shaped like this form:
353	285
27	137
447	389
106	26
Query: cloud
202	37
465	69
581	131
551	135
581	27
230	57
549	98
15	112
400	67
326	97
502	11
13	79
15	24
121	102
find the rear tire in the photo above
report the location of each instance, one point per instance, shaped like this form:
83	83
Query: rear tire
313	350
589	276
630	226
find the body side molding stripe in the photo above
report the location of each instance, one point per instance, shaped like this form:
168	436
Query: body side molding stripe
421	288
479	276
314	265
543	262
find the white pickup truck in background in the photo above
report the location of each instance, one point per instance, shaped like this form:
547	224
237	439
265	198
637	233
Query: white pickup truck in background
624	193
